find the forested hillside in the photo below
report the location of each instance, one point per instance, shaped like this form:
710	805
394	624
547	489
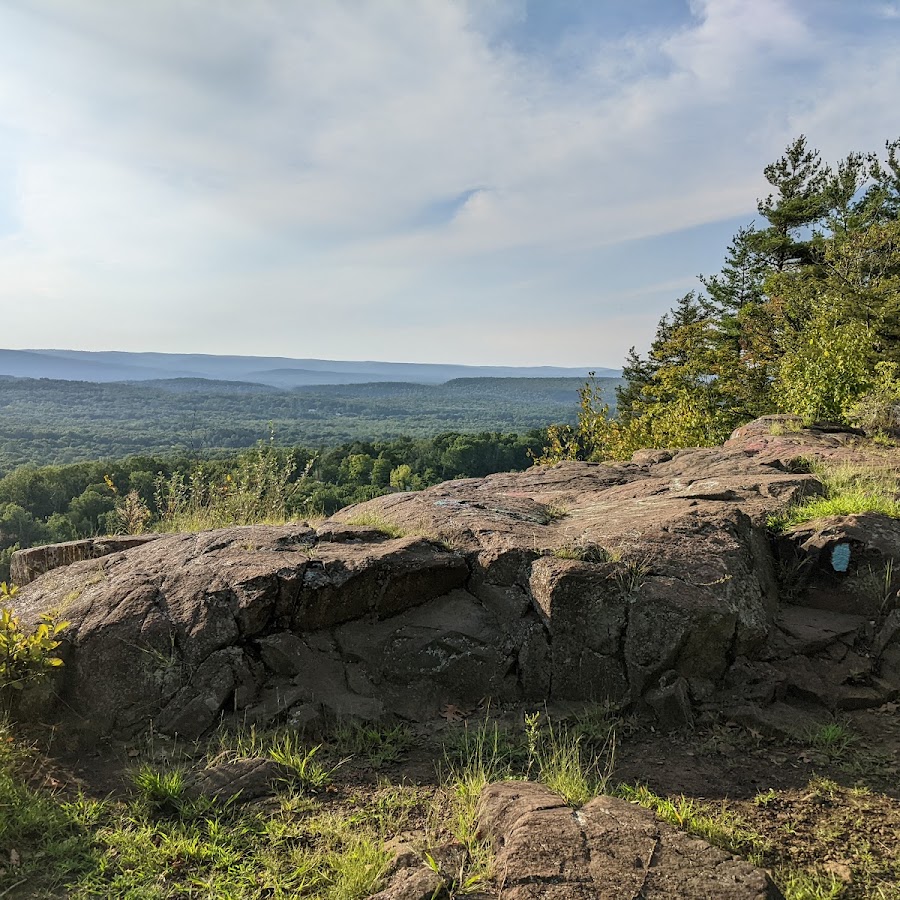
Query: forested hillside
45	421
803	318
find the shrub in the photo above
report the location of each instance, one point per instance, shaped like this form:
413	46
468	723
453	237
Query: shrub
25	657
878	410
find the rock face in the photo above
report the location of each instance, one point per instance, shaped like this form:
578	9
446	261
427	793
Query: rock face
651	583
607	850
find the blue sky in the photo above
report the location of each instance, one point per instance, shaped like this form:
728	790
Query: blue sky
491	182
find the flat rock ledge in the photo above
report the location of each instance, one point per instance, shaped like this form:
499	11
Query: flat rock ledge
607	850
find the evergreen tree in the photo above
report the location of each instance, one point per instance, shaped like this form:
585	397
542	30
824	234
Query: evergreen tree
804	317
801	182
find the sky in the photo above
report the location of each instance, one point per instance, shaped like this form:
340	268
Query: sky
510	182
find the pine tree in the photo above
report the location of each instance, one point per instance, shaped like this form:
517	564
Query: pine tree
801	181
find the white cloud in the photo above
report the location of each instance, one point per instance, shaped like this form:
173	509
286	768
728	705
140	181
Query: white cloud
290	157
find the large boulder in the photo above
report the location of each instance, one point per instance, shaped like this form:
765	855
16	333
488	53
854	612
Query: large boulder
650	583
28	564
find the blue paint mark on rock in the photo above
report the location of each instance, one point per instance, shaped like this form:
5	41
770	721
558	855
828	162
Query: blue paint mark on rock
840	558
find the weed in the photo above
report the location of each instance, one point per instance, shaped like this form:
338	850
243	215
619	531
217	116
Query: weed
306	770
555	511
833	739
631	574
596	724
162	792
792	425
457	874
259	489
823	788
559	760
797	885
26	656
766	798
791	574
878	587
482	757
131	514
359	866
720	827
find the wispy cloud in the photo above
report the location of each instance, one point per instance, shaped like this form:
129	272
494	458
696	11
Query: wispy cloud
393	163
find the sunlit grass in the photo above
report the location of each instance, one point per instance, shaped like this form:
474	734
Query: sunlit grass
847	490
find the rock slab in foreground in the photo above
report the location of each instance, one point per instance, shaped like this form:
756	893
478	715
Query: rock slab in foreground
608	850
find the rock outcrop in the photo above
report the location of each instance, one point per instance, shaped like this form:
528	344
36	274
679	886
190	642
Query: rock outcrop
651	583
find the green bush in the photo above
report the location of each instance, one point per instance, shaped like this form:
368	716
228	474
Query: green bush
25	657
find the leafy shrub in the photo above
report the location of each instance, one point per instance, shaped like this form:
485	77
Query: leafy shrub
24	657
259	489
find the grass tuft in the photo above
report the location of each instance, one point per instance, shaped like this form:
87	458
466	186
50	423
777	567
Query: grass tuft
847	490
559	759
379	523
378	745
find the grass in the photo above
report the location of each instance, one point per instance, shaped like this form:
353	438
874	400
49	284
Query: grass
162	791
379	523
378	745
259	490
484	754
847	490
308	772
631	574
328	843
833	739
587	552
156	844
555	511
716	824
786	426
879	587
559	757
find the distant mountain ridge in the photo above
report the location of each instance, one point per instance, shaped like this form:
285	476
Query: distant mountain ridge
282	372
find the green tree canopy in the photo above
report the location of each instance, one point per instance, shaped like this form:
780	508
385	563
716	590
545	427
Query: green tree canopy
802	312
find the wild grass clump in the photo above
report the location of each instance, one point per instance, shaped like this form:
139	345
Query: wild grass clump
559	758
833	739
258	490
847	490
563	757
308	772
379	523
786	425
484	755
588	552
